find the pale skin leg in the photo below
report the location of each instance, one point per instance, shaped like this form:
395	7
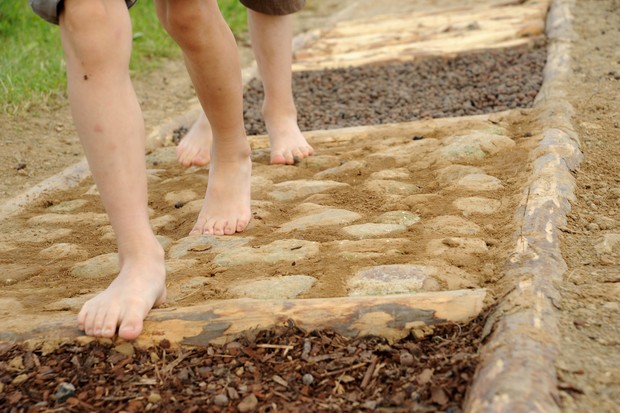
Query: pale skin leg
271	42
212	62
96	37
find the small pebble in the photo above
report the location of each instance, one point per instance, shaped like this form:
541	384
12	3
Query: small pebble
154	398
307	379
247	404
221	400
65	390
406	359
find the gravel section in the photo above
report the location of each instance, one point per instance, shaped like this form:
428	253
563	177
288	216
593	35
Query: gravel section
434	87
284	369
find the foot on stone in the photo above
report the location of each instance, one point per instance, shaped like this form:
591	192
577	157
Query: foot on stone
288	145
226	207
140	286
195	147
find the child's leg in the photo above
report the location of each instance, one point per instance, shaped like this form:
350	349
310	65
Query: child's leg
271	41
212	61
96	38
272	45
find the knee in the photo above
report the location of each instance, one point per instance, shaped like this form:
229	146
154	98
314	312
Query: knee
93	31
189	27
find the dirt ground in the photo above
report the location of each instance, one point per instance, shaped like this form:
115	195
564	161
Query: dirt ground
43	142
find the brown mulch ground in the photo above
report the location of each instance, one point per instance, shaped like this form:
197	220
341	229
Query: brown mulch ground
284	369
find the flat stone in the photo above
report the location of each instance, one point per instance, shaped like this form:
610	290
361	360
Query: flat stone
84	218
183	197
370	248
14	273
206	243
282	250
405	218
450	245
165	242
451	225
608	244
68	206
319	162
451	174
477	205
176	266
97	267
162	222
289	190
63	250
341	169
37	235
10	306
479	182
260	184
373	230
404	155
276	173
286	287
398	173
70	303
391	187
162	156
393	279
414	200
327	217
6	247
474	146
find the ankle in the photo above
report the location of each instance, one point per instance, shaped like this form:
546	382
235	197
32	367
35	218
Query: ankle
137	250
278	113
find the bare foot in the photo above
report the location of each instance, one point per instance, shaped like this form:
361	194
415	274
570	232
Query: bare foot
288	145
195	147
140	286
226	207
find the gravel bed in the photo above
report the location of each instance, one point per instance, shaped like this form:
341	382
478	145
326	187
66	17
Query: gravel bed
433	87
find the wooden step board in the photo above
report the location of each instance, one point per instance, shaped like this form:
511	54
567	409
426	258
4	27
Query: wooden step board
219	322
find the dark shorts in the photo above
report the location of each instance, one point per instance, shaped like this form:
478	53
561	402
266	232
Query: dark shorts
50	10
274	7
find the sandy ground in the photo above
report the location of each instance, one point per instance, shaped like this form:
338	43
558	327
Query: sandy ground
41	143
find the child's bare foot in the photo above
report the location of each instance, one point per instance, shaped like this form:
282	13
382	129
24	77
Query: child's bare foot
288	145
140	286
226	207
195	147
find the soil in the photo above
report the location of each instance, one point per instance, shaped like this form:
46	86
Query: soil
43	142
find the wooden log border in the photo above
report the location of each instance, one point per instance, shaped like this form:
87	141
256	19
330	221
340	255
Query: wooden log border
221	321
517	370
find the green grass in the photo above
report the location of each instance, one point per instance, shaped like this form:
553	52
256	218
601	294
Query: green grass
32	70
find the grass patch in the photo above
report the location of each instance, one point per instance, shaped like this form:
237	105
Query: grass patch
32	69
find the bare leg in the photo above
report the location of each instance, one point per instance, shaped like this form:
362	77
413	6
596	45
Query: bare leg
271	42
212	61
96	37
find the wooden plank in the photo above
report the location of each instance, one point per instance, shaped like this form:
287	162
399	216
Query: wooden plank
219	322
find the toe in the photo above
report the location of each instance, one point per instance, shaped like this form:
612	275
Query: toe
110	323
278	158
130	327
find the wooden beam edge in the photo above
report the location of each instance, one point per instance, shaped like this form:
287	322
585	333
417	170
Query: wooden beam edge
222	321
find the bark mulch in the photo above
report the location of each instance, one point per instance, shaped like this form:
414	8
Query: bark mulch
283	369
